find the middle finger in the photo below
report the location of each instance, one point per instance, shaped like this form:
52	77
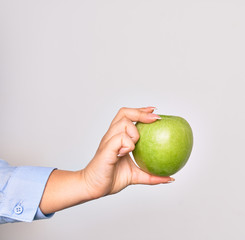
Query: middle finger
123	125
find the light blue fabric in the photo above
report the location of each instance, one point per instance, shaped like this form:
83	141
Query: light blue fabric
21	190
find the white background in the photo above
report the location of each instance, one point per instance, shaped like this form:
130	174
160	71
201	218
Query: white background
66	67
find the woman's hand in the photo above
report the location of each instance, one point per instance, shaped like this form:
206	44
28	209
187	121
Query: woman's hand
110	171
112	168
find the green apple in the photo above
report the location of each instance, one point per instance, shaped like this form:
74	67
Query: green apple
164	146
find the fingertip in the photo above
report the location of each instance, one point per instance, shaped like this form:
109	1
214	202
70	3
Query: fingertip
170	180
121	155
148	109
153	116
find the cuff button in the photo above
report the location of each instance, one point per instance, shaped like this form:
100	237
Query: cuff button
18	209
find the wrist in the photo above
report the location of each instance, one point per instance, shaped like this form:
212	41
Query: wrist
64	189
84	192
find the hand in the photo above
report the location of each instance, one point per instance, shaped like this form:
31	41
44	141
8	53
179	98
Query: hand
110	171
112	168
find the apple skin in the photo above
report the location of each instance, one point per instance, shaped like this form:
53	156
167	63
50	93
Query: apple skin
164	146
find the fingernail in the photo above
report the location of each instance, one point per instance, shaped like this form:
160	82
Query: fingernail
121	155
154	116
123	152
153	108
171	180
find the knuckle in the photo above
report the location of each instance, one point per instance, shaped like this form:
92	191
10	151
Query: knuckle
137	136
132	147
122	109
124	120
123	134
139	114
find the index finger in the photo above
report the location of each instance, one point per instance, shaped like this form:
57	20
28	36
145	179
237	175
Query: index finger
143	115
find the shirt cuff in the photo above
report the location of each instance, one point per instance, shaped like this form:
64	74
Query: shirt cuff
24	192
40	215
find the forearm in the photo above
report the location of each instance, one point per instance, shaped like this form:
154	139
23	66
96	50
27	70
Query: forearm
63	189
